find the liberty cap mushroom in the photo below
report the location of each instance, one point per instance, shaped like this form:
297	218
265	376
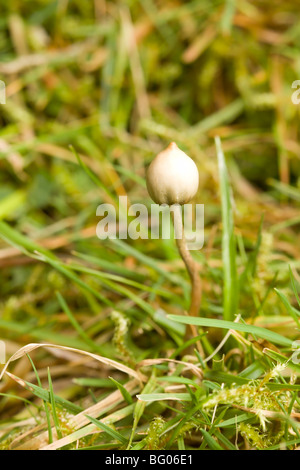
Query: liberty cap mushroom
172	177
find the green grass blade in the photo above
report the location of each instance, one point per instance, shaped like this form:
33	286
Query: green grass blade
126	395
230	292
50	435
53	406
294	286
143	397
108	430
212	444
228	325
293	312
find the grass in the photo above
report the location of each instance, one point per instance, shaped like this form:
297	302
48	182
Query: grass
94	330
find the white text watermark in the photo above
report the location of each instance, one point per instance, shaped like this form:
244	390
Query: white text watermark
2	92
2	352
135	222
296	95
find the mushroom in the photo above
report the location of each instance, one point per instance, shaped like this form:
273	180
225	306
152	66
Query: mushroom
172	178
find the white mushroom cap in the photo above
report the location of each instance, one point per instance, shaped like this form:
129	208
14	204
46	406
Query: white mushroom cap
172	177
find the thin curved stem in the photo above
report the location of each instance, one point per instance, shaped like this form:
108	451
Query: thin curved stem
191	265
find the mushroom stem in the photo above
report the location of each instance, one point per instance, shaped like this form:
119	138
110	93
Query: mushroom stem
191	266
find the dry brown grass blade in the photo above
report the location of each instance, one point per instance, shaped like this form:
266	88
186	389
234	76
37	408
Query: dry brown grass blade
26	434
18	424
187	365
87	430
268	413
109	362
25	62
94	411
198	46
78	421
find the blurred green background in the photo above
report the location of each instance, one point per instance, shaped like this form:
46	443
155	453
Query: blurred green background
94	90
118	81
